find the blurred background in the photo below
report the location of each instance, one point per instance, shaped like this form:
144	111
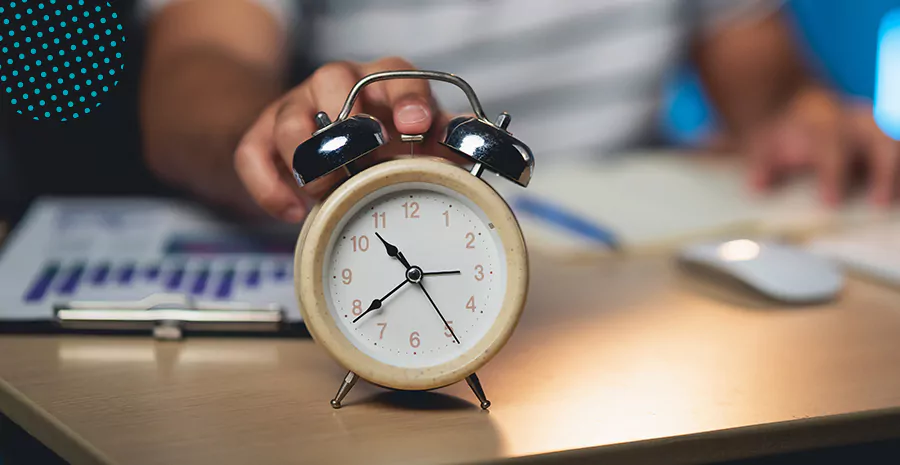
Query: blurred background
101	155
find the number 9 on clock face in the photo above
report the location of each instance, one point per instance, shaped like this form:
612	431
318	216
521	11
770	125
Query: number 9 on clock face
463	270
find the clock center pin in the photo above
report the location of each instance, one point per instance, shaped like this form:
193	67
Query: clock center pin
414	274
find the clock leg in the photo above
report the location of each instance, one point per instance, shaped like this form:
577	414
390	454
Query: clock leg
346	386
473	382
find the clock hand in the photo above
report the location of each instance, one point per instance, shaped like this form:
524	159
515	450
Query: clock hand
393	251
376	304
438	311
396	253
433	273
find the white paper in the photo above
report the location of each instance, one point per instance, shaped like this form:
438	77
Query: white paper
663	198
131	238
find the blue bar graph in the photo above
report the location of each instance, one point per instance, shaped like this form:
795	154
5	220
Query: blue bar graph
253	277
126	273
220	280
281	271
200	282
70	282
40	285
152	272
225	285
101	272
174	281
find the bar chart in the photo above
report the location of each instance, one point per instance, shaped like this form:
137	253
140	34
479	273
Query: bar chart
73	250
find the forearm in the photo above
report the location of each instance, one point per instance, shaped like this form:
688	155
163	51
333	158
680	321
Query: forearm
211	66
196	106
750	71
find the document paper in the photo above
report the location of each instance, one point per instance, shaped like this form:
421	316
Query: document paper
126	249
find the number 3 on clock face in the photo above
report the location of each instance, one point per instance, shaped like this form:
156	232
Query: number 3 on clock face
413	274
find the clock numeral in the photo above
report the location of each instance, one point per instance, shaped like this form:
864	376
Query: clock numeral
346	276
411	209
447	329
471	237
414	341
383	326
471	304
361	244
447	218
479	272
377	215
357	307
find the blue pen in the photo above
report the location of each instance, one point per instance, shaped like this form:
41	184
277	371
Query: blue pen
557	216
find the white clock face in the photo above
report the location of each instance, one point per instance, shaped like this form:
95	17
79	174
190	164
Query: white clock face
436	230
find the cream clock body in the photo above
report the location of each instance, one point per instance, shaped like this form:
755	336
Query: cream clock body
412	274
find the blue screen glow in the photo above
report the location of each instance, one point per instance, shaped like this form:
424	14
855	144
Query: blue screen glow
887	77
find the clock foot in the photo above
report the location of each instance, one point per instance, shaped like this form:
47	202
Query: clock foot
346	386
473	382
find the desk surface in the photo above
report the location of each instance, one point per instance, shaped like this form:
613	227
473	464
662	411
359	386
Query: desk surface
623	359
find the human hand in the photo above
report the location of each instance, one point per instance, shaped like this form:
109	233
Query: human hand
818	132
265	154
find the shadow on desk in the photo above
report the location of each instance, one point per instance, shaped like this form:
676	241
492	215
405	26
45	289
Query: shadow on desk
18	448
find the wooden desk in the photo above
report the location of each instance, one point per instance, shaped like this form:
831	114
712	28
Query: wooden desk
623	360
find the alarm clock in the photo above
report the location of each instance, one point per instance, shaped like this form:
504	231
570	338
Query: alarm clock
413	273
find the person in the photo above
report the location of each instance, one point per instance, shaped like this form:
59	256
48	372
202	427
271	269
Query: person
580	78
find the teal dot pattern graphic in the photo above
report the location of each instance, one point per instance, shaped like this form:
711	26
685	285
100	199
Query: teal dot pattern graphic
59	58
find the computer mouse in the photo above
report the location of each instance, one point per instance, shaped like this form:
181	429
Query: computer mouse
777	271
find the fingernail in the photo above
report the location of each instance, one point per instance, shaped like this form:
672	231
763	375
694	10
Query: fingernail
413	113
294	214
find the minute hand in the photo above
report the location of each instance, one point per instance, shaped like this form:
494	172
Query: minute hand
438	312
376	304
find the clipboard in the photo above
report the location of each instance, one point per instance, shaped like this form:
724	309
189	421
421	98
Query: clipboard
149	266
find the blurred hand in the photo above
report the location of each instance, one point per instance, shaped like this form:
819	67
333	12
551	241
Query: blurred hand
820	133
265	154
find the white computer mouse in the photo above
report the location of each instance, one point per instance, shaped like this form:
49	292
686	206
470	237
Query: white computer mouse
781	272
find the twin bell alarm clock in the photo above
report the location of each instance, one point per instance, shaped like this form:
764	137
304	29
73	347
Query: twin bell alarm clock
413	273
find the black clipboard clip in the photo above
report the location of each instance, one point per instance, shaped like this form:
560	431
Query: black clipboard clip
169	315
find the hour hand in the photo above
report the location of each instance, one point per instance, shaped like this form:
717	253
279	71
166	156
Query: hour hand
393	251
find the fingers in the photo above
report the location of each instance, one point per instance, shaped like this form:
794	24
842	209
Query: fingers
833	161
256	164
331	84
760	154
294	117
325	91
264	157
410	100
883	154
